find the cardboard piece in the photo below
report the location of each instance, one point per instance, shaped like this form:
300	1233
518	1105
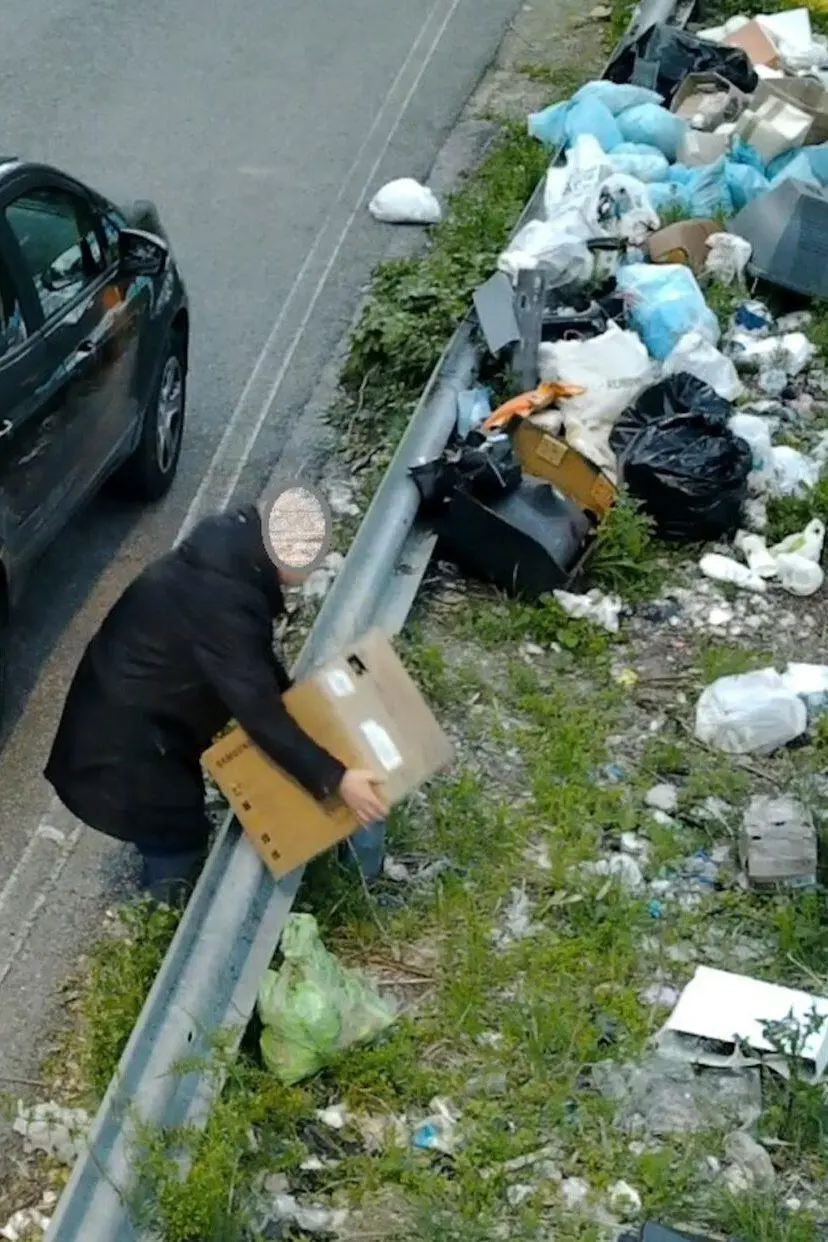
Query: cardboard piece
773	128
362	707
546	456
697	148
804	93
778	844
761	49
719	1021
684	242
707	100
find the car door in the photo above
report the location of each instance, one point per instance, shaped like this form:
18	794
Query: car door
33	488
90	321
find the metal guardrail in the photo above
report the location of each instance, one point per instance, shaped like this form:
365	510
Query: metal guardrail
231	928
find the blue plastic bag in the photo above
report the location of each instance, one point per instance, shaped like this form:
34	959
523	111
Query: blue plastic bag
742	152
473	408
653	125
744	184
638	160
800	169
709	194
549	126
667	198
664	303
817	158
590	116
681	174
617	97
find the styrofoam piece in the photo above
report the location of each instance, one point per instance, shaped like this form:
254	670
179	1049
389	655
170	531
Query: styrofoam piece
732	1010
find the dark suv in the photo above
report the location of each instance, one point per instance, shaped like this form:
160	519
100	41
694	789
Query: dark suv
94	338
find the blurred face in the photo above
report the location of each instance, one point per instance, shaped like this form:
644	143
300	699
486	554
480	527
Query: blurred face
297	529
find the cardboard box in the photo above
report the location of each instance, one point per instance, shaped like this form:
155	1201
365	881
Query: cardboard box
546	456
804	93
707	100
362	707
761	49
684	242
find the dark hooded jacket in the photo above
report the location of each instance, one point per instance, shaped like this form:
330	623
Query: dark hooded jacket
187	648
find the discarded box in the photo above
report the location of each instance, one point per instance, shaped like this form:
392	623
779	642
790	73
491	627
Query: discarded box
362	707
546	456
773	128
778	844
804	93
698	148
721	1018
761	49
707	100
684	242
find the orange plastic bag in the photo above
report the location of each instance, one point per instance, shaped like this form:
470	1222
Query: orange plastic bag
530	403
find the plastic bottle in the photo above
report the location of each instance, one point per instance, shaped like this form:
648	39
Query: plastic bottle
799	575
755	551
725	569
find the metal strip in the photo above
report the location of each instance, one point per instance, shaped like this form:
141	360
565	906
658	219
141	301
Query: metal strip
231	928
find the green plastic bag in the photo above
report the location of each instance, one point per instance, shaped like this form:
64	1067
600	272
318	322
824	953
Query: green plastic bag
313	1008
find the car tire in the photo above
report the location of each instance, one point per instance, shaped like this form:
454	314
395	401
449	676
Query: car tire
148	473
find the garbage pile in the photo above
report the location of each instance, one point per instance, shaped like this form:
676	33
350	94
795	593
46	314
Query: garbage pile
690	169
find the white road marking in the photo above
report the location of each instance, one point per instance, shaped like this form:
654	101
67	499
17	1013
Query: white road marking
244	425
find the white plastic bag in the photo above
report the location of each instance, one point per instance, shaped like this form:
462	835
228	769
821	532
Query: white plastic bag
603	610
798	574
614	369
755	551
695	355
794	473
752	713
547	244
728	257
808	543
756	432
405	201
612	204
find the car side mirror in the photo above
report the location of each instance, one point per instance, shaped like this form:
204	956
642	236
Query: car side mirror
142	254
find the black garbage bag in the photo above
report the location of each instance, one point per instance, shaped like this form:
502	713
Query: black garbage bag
484	468
662	56
677	455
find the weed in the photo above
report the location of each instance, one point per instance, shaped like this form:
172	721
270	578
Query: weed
796	1113
717	660
789	514
761	1217
121	974
627	559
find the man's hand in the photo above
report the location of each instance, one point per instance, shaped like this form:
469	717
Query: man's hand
358	790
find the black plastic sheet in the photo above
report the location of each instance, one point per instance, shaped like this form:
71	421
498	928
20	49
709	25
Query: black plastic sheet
662	56
677	455
485	469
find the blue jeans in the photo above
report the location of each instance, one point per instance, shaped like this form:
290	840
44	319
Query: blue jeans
365	851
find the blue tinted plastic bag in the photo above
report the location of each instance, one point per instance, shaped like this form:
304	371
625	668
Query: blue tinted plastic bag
818	159
636	159
800	169
680	174
745	184
664	303
817	164
709	193
653	125
590	116
667	198
549	126
617	97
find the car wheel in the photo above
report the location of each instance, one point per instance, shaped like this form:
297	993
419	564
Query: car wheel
149	472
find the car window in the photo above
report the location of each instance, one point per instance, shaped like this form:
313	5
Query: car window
112	232
56	234
12	324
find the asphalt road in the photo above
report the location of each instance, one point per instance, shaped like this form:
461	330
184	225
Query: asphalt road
259	128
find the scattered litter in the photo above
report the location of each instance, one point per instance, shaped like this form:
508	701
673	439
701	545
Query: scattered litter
728	257
314	1008
778	843
750	713
694	355
335	1117
603	610
341	500
516	923
473	408
625	1200
405	201
50	1128
755	551
412	870
659	995
810	683
795	474
808	542
19	1226
519	1194
798	574
751	1160
725	569
491	1086
659	1097
312	1218
618	867
379	1132
439	1131
575	1193
723	1020
662	798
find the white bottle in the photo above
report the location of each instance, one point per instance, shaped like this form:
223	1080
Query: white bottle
755	551
798	574
725	569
